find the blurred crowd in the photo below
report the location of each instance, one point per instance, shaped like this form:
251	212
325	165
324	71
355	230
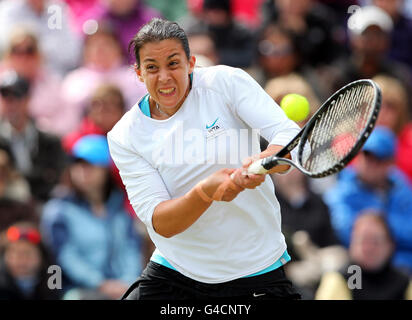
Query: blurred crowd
66	77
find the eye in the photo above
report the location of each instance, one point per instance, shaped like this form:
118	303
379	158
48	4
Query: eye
151	67
173	63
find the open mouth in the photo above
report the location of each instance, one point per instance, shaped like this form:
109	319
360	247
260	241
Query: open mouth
167	92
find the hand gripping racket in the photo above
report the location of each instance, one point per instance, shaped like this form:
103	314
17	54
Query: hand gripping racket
333	135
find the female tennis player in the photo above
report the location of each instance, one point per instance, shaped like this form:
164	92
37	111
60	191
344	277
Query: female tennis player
179	152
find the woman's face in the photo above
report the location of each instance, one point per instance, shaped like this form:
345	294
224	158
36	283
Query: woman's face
105	113
86	176
25	58
370	245
23	259
277	56
389	114
102	51
165	69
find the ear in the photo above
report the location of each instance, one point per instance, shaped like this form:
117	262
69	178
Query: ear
192	63
138	72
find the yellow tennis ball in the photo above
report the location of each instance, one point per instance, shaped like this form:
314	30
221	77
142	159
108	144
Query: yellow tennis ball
295	106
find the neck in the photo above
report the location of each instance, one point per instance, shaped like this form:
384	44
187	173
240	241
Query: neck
19	125
96	201
368	66
160	112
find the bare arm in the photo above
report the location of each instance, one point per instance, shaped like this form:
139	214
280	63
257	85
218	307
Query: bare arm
173	216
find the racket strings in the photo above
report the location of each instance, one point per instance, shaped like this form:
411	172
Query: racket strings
337	130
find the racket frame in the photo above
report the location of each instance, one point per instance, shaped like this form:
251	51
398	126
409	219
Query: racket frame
300	139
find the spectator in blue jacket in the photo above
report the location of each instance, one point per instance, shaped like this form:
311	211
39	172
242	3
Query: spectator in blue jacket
92	236
373	182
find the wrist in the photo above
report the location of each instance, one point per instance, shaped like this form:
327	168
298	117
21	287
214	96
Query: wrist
201	192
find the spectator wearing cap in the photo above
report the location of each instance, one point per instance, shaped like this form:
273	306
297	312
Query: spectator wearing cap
401	37
92	236
22	54
369	30
373	182
38	156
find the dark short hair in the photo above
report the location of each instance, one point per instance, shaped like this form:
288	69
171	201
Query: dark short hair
157	30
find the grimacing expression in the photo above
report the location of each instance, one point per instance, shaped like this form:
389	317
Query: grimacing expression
165	68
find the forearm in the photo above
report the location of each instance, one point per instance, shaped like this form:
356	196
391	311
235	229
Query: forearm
271	150
174	216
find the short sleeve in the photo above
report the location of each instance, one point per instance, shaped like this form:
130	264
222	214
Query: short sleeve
144	185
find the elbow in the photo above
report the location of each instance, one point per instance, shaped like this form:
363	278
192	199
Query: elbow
164	233
167	235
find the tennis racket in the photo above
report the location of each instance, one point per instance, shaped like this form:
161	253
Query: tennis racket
333	135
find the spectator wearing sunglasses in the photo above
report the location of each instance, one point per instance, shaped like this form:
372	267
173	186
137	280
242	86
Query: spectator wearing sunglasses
46	105
277	55
38	156
373	182
49	20
23	265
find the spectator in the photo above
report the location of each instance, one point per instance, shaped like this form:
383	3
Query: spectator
103	63
45	104
305	211
317	29
234	42
38	155
394	115
49	21
277	54
23	265
126	17
93	238
247	12
401	37
12	185
371	248
369	33
373	182
280	86
106	107
203	48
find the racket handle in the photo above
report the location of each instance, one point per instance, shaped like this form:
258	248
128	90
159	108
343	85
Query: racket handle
262	166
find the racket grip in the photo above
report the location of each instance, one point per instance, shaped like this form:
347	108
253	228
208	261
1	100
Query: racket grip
257	167
262	166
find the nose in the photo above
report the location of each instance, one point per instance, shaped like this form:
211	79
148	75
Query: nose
164	75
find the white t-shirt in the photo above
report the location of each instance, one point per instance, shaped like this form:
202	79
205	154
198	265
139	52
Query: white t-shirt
215	128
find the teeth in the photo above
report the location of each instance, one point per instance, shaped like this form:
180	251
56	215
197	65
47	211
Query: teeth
166	90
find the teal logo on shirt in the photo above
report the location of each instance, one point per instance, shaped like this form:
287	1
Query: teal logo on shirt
208	127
